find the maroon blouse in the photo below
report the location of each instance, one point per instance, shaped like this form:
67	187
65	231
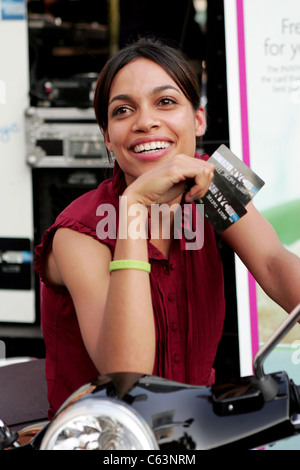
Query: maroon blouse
187	295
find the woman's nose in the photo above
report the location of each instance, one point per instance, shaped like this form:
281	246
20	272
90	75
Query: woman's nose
145	120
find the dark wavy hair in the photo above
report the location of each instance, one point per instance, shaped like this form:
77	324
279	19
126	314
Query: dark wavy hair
172	60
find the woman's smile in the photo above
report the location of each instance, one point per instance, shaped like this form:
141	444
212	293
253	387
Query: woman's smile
151	148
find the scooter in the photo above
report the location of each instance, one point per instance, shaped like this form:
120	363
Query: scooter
127	411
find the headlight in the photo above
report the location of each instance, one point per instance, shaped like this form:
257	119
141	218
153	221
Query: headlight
99	424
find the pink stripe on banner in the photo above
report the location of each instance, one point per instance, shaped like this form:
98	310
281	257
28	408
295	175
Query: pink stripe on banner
246	156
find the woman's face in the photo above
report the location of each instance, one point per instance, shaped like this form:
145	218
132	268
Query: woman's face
149	118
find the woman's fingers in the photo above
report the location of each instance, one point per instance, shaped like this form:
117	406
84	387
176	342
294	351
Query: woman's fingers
201	184
167	181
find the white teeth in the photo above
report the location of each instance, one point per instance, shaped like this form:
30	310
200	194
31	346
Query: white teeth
150	146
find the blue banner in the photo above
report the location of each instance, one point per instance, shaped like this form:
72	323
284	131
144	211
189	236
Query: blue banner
13	9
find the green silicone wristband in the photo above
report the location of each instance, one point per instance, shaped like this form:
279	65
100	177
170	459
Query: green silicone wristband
129	264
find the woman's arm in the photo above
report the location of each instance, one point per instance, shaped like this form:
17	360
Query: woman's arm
127	337
275	268
114	311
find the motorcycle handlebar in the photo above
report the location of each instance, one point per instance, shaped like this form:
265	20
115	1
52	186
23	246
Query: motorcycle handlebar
269	387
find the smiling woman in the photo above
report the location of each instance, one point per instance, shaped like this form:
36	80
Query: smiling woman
149	118
159	308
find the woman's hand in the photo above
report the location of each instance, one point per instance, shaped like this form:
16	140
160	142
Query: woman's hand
167	180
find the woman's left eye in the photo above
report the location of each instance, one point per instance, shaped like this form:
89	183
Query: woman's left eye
166	101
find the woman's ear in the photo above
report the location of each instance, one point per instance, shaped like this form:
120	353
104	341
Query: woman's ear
200	122
107	141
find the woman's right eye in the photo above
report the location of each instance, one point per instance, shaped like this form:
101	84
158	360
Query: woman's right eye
120	110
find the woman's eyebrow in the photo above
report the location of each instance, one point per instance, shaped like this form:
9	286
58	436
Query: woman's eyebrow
154	91
161	88
122	97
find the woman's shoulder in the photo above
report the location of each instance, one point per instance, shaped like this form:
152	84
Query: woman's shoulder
82	216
